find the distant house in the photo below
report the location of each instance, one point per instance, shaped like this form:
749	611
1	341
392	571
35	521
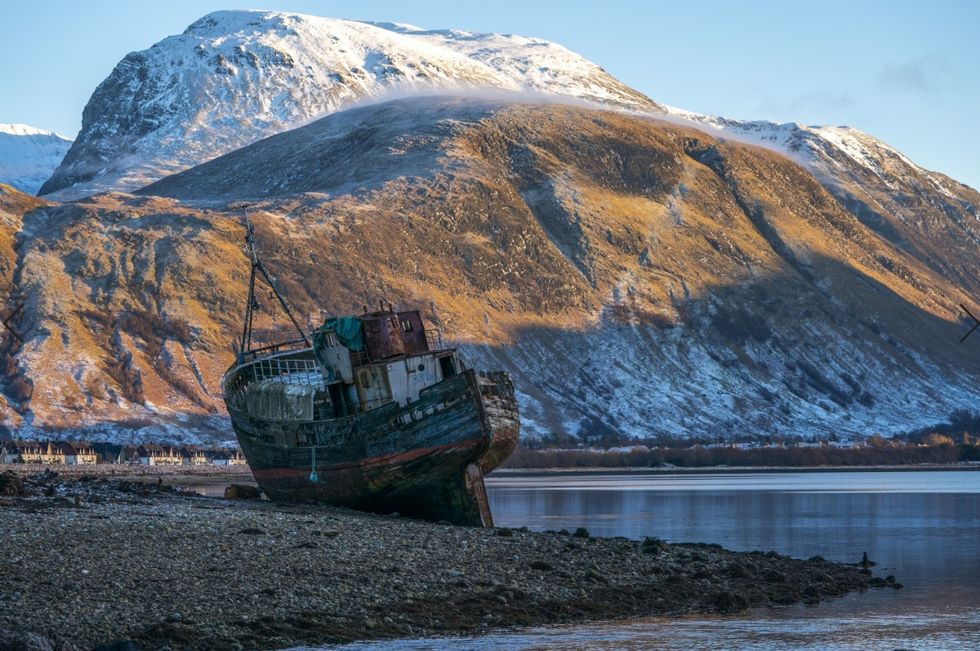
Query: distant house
233	457
30	451
53	454
79	453
193	456
37	452
159	455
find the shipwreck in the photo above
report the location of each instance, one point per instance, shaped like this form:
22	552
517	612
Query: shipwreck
370	411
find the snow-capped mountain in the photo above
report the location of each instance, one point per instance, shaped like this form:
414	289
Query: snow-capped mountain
234	77
29	155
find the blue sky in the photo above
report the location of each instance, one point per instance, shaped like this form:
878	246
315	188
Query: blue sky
906	72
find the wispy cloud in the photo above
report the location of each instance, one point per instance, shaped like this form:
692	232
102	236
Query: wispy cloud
923	75
799	107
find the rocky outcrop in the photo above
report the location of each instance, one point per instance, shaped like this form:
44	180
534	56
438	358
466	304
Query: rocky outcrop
14	385
13	205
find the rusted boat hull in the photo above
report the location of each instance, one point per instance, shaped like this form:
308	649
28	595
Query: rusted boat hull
426	459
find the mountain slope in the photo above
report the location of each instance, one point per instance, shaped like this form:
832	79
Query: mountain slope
234	77
637	277
13	205
914	208
28	156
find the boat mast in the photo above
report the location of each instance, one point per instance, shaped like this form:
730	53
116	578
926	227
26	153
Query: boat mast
257	266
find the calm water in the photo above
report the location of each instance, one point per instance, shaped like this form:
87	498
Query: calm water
923	527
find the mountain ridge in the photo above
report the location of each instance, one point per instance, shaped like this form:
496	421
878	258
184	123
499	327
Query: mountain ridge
886	190
636	277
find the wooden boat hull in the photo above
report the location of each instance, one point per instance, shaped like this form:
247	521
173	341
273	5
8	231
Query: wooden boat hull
499	402
426	459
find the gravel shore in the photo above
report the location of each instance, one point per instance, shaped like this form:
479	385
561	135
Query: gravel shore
89	561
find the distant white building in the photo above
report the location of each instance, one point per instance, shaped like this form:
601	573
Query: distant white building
233	457
192	456
159	455
79	453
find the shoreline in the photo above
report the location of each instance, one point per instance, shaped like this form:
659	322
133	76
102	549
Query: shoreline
111	470
689	470
205	472
98	560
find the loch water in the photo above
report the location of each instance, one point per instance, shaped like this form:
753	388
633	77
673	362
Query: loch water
921	526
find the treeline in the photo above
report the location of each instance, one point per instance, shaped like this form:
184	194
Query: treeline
702	457
957	440
963	426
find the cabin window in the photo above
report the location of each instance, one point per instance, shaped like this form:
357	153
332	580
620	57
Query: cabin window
406	326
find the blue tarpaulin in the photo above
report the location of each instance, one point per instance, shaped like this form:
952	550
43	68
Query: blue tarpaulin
347	329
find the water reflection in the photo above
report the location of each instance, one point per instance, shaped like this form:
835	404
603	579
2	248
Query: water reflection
757	633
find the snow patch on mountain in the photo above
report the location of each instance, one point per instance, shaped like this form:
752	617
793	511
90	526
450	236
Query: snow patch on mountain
683	386
818	148
531	63
29	155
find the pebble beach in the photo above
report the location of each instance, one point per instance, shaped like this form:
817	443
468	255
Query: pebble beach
92	561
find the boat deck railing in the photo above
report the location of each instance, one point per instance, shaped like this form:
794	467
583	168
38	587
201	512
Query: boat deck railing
433	341
287	370
273	348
